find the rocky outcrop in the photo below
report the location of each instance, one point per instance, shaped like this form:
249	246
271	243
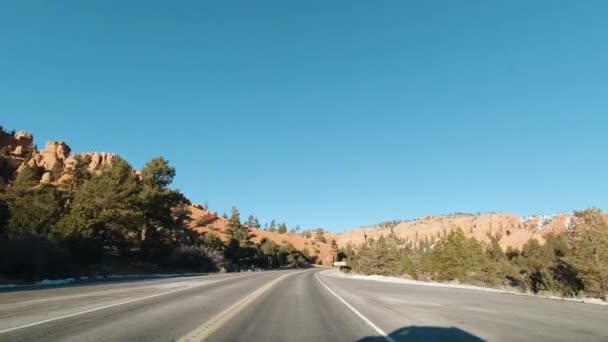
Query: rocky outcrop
98	160
16	147
52	163
17	144
51	158
46	178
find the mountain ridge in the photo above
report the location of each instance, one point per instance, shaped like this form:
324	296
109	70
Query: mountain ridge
514	230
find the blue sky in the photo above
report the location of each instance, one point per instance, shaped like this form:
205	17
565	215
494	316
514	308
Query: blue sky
319	113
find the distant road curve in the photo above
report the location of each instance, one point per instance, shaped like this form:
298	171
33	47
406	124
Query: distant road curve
291	305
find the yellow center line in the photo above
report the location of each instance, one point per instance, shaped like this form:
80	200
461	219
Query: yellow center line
206	329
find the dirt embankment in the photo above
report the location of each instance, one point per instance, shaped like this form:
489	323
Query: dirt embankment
204	221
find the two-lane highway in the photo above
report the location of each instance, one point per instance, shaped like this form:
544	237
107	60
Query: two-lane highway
299	308
294	305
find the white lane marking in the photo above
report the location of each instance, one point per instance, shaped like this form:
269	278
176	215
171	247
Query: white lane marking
28	325
365	319
208	328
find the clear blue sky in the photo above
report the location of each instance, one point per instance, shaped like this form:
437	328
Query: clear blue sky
320	113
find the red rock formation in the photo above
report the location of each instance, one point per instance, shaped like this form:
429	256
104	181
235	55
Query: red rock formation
514	230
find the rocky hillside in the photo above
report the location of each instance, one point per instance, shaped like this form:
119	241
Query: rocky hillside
204	221
514	230
52	164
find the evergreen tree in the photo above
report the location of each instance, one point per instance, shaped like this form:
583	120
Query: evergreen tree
590	251
380	257
5	169
4	212
270	250
235	229
273	226
335	248
164	210
34	213
535	262
455	256
320	236
306	253
282	228
496	269
565	275
287	255
24	181
106	208
78	174
252	222
212	241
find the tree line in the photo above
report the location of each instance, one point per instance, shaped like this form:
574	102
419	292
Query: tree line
571	264
282	228
97	223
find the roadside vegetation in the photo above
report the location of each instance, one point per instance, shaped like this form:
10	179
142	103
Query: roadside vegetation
571	264
116	220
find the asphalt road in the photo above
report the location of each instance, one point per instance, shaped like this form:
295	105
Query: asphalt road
296	305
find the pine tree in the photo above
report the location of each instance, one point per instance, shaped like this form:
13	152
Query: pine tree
34	213
565	275
590	251
235	229
78	174
106	208
252	222
455	256
381	257
270	250
24	181
334	248
534	262
273	226
320	236
282	228
212	241
164	210
4	211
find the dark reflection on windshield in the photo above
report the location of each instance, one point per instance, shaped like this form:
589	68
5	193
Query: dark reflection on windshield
426	334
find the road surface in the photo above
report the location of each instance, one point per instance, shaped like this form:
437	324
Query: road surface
293	305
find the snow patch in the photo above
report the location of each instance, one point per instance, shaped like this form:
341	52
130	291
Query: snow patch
526	219
544	220
45	282
67	281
